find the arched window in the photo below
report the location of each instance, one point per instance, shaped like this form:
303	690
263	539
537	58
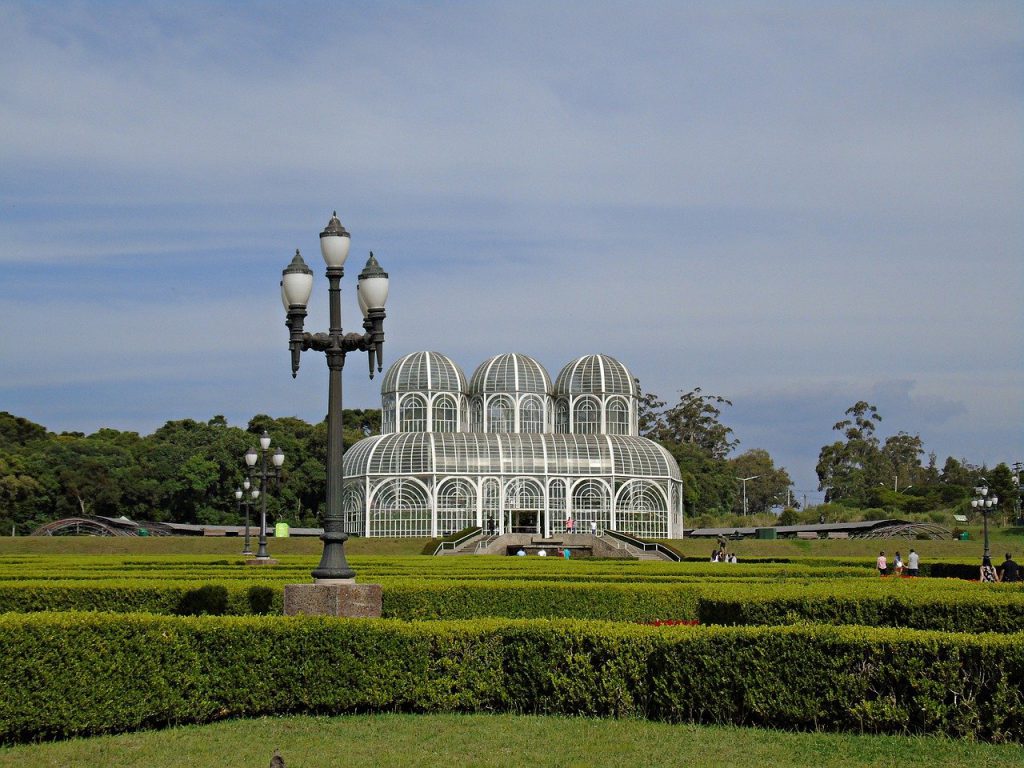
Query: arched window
477	414
500	415
400	507
445	414
456	505
562	416
617	417
531	414
354	506
591	503
414	414
587	418
641	508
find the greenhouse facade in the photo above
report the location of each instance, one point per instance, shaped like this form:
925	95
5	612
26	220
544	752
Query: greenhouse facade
511	450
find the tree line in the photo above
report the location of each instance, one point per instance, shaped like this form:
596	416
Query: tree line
187	470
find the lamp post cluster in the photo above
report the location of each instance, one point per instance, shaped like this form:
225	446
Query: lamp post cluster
242	496
985	504
371	293
265	473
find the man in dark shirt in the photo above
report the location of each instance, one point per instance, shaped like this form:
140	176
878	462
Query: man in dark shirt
1011	571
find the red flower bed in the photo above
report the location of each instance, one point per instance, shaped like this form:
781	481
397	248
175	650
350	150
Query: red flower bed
673	623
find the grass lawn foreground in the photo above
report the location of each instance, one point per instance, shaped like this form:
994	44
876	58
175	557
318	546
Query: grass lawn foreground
496	740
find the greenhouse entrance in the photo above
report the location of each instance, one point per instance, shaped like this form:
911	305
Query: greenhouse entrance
524	521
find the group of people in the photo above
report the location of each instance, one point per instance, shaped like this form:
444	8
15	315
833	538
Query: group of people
1008	572
899	568
719	555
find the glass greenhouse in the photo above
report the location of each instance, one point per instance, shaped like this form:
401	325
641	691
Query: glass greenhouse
509	448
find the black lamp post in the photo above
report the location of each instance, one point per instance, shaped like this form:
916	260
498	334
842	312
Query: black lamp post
372	293
242	494
986	504
265	472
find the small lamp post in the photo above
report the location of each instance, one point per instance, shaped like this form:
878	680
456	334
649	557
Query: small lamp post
265	473
372	293
985	504
242	494
744	481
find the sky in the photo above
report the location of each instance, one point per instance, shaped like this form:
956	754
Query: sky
793	205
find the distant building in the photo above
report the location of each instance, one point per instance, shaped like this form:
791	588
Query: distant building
509	446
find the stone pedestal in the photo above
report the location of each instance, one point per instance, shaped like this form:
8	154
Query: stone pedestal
261	561
355	601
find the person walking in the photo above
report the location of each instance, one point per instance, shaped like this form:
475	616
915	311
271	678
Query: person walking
881	564
593	527
913	562
897	564
1010	570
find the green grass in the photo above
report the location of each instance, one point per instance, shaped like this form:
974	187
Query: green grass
497	740
1002	540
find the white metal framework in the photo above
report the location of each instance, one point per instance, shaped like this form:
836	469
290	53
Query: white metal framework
510	449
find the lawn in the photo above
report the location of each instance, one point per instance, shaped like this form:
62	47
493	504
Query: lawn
497	740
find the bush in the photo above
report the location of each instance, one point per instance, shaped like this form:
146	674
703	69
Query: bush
80	674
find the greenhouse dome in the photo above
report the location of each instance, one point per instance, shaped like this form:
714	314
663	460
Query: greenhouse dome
515	463
596	394
423	392
510	393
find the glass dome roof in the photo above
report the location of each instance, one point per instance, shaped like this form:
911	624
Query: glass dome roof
424	372
533	454
595	375
510	373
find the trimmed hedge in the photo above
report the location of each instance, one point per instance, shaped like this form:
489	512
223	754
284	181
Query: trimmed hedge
947	606
182	599
985	611
77	674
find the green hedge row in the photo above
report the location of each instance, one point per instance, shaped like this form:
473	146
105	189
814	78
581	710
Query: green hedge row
985	611
182	599
952	606
76	674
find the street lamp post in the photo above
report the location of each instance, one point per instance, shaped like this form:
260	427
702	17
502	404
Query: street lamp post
242	494
372	293
744	481
986	504
265	472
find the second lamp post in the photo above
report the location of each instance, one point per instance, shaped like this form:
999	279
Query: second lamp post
985	503
265	473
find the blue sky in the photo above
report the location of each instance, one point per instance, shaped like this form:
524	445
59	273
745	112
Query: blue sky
793	205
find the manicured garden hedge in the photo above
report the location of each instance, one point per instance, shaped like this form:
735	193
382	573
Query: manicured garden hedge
921	604
75	674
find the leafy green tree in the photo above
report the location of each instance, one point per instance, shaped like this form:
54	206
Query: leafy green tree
849	470
650	421
694	420
769	486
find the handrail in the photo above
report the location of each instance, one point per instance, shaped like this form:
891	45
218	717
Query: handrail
646	546
457	542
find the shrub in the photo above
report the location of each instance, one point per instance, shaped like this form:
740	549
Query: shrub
79	674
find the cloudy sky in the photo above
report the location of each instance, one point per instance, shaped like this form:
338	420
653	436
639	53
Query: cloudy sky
793	205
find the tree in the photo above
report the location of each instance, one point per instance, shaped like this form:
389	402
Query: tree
694	420
650	421
901	455
769	486
849	470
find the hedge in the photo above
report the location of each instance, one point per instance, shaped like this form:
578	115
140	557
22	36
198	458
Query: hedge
76	674
939	605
